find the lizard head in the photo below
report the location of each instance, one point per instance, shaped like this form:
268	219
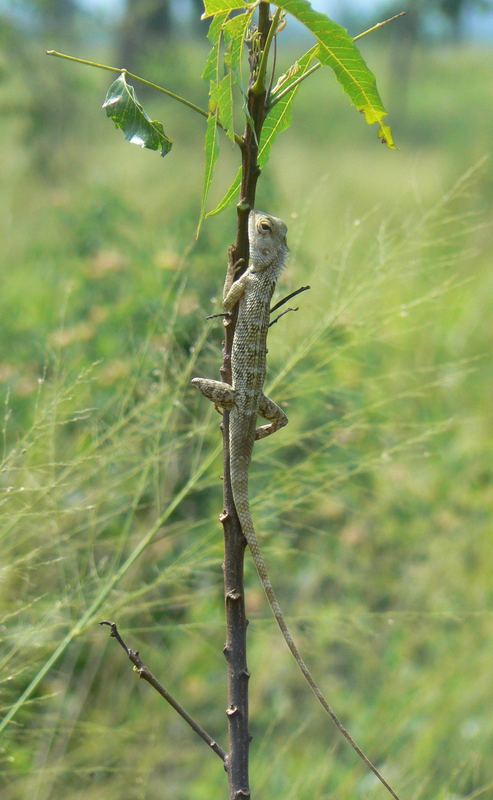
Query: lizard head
268	244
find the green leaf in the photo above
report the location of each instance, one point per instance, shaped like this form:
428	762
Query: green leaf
220	102
221	93
235	31
221	98
122	106
212	7
338	51
277	121
211	154
210	71
230	196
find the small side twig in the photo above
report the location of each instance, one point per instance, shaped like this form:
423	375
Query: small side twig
216	316
147	675
282	315
289	297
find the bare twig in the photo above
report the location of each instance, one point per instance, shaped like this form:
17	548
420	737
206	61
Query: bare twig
282	315
224	314
289	297
147	675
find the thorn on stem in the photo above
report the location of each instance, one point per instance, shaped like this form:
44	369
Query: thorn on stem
215	316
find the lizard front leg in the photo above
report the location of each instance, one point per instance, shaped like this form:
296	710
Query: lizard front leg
221	394
233	267
271	411
235	292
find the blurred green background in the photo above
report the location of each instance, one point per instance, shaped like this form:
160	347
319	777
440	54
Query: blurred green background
373	505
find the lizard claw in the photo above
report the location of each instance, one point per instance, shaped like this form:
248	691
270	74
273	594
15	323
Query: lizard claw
239	264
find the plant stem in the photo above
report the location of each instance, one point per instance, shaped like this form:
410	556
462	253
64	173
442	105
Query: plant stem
279	95
234	541
259	85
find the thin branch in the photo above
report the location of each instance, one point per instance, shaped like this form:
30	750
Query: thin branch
282	315
314	68
289	297
223	314
147	675
150	84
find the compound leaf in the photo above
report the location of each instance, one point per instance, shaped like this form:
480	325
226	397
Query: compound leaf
210	71
221	98
211	155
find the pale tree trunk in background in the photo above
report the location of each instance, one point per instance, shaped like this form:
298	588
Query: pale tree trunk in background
55	15
453	11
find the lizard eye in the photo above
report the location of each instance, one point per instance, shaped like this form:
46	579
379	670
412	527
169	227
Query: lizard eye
264	225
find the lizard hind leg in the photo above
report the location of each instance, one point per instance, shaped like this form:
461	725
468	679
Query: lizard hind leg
221	394
271	411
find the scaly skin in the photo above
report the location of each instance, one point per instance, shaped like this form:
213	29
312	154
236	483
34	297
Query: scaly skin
245	400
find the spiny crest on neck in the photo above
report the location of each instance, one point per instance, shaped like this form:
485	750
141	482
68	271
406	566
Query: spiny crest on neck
268	243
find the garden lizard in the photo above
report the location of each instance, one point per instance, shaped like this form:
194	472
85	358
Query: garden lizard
245	400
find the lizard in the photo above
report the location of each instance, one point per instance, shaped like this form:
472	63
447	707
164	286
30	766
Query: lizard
245	400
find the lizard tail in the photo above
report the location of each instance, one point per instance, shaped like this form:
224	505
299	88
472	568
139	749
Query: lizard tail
240	495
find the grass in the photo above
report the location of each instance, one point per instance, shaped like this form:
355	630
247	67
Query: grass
373	505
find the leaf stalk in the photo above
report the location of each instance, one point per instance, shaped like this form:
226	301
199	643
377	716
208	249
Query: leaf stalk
134	77
283	92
